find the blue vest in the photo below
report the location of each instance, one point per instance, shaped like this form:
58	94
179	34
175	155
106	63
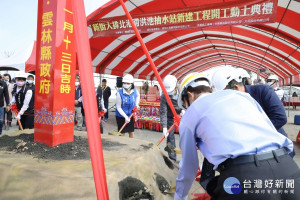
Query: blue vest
128	102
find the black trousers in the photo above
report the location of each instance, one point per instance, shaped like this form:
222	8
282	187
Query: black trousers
207	173
284	175
128	128
171	137
7	117
101	127
27	121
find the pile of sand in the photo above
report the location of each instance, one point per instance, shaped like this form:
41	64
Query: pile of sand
135	169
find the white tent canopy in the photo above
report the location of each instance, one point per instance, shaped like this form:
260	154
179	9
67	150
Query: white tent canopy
17	61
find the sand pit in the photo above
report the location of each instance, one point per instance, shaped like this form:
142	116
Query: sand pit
135	169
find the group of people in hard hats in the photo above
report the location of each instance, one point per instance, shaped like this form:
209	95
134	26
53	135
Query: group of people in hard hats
19	93
238	128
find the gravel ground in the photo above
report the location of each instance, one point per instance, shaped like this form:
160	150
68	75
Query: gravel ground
144	134
76	150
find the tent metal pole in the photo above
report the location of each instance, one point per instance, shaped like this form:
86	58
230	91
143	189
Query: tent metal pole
289	96
100	74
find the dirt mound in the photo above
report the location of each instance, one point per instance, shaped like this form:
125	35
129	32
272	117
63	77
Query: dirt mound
76	150
162	183
133	189
135	169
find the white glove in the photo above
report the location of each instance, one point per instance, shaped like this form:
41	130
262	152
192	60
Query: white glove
127	120
138	107
182	113
165	132
18	116
105	110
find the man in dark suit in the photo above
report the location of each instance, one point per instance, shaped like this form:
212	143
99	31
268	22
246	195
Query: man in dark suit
106	94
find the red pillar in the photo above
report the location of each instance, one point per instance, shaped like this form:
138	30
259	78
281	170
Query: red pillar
55	73
89	99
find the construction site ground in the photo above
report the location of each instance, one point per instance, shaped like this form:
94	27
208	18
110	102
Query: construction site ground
135	168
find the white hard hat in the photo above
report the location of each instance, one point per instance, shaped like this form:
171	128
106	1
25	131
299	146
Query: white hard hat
223	76
190	80
128	78
21	74
273	77
170	82
243	73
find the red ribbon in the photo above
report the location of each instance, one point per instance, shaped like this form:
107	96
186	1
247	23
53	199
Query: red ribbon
135	109
101	113
134	112
14	108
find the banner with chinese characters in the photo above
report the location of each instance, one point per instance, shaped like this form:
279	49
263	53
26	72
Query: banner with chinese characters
55	73
225	14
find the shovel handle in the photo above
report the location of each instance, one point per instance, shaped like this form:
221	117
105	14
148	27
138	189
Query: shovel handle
163	137
16	114
21	127
125	124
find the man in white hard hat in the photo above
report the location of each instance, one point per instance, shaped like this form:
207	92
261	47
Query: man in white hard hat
23	96
245	76
166	115
222	77
263	94
127	98
272	81
235	135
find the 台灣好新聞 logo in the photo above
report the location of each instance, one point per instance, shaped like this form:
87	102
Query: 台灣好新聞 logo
232	185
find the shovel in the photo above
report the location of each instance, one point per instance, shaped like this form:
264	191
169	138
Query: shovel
163	137
176	123
15	110
119	133
172	188
169	148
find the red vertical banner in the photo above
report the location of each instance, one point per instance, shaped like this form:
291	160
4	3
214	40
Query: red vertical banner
55	73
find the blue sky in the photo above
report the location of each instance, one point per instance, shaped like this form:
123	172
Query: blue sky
18	20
